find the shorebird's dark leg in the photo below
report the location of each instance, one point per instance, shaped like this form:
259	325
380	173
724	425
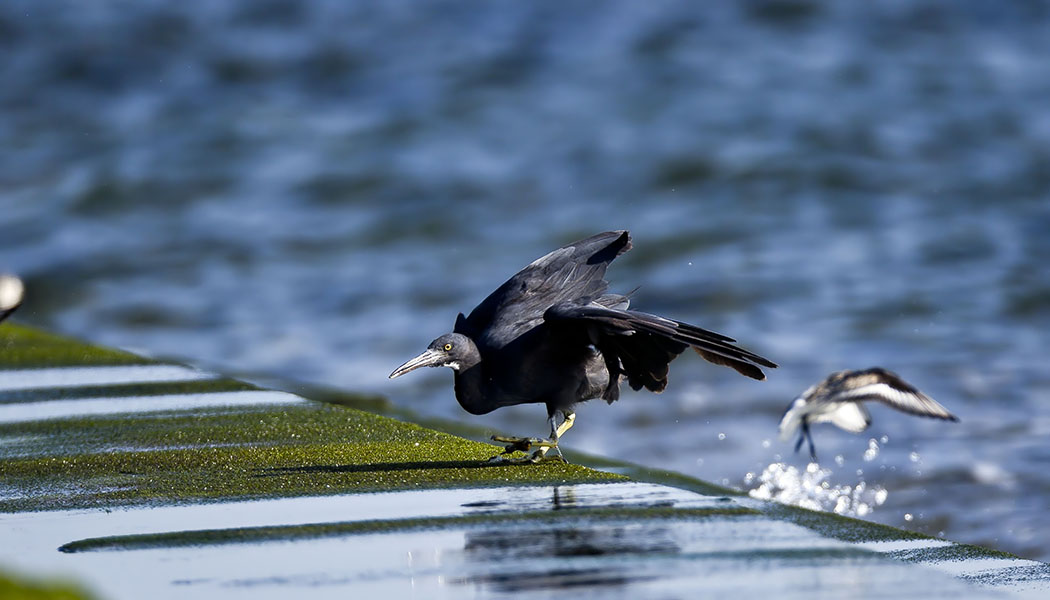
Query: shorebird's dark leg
809	438
805	436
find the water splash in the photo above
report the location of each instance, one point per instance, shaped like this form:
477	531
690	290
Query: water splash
873	450
812	488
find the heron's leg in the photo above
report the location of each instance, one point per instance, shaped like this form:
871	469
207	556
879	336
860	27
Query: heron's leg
524	444
566	424
568	418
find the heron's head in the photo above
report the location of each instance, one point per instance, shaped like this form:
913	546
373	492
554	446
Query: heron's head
453	350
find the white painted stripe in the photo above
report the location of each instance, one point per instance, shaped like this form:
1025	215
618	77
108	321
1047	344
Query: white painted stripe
902	545
28	379
57	409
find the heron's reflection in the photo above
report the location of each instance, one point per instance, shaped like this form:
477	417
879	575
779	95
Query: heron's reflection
522	556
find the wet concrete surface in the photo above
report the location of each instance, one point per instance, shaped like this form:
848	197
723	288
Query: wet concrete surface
631	539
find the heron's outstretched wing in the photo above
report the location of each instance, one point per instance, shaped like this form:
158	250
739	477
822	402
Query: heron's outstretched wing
878	384
574	272
640	345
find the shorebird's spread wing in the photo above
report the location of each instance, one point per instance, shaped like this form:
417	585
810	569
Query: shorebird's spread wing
880	385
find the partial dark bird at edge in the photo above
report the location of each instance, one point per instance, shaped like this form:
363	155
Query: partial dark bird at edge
11	293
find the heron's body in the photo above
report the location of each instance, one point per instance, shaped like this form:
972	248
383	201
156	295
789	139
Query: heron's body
839	399
552	335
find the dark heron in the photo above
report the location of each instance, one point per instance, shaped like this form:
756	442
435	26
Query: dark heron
838	400
551	335
11	292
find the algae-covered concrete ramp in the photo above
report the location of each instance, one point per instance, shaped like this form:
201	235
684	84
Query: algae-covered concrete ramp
146	480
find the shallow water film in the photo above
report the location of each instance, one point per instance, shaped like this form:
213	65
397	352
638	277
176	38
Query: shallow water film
313	191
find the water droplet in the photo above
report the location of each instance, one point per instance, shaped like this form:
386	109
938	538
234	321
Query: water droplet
839	460
873	450
908	517
721	436
880	496
884	439
699	462
765	443
914	457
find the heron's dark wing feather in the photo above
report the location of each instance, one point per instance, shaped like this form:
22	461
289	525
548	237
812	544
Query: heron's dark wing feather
573	273
645	344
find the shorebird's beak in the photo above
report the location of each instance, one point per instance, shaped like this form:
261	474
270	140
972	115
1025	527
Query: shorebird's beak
429	358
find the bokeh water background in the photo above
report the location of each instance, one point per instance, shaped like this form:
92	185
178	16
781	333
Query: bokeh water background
314	189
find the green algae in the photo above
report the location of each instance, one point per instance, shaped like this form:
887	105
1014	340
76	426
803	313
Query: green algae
295	424
26	348
847	529
23	588
663	477
953	553
224	454
309	450
1011	575
380	405
577	517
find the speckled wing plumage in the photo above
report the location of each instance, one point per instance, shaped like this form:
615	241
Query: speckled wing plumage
879	385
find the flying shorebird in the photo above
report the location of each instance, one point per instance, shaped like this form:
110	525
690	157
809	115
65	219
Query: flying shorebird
551	335
838	400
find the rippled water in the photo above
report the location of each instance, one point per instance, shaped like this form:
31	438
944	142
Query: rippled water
315	189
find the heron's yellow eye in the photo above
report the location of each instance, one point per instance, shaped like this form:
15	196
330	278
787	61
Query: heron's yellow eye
448	347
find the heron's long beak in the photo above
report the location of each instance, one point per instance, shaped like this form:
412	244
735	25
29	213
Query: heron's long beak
429	358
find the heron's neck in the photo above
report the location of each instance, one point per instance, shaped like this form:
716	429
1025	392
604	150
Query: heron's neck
472	389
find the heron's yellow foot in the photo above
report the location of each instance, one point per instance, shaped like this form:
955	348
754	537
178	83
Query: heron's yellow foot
524	444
